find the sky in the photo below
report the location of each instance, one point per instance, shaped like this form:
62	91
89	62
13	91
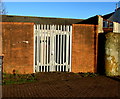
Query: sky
76	10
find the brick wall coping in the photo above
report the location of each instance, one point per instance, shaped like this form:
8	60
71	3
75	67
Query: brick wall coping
84	25
15	23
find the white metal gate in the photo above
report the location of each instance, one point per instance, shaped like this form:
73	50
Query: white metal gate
52	48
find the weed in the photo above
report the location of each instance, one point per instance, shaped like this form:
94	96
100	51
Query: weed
17	78
88	74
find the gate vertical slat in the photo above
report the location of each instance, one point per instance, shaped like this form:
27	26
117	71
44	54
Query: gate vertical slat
41	46
44	47
70	46
58	48
39	42
34	51
55	46
37	48
63	46
50	46
47	46
67	44
53	27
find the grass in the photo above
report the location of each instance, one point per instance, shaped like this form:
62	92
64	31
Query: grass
26	78
17	78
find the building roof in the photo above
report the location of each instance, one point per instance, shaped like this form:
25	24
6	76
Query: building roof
91	20
107	16
40	20
116	16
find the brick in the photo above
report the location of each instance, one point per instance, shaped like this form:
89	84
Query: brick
84	48
18	55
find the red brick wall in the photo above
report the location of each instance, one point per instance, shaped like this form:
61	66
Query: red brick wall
84	48
18	55
0	44
0	39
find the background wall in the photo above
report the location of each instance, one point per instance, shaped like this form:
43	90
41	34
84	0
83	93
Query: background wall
17	47
84	48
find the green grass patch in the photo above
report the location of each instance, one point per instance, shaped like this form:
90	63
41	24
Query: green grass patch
42	76
17	78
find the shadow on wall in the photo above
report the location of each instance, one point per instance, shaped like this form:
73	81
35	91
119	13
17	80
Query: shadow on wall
101	54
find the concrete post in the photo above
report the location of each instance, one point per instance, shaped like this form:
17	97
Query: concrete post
112	51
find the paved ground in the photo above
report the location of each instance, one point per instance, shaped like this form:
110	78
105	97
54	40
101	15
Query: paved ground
65	85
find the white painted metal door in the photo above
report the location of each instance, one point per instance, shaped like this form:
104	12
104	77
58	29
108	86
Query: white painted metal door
52	48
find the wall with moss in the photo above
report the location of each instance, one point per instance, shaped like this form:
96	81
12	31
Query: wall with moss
112	54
